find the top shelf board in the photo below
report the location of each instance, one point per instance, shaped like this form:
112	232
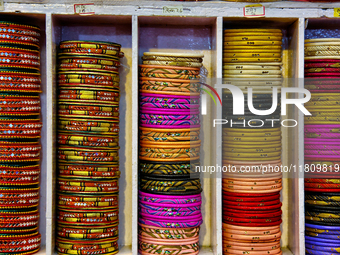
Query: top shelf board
191	9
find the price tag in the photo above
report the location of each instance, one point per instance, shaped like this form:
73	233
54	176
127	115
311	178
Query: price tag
84	9
173	10
256	10
337	12
2	7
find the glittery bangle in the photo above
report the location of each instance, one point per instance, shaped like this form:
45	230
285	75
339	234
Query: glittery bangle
165	224
92	168
89	45
88	67
169	105
151	98
84	59
188	89
169	69
71	52
91	76
88	189
158	117
16	30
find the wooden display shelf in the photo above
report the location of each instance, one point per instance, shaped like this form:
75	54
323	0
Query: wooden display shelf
141	26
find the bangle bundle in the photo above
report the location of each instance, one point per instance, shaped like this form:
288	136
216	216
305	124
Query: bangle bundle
169	150
322	188
251	143
20	127
88	160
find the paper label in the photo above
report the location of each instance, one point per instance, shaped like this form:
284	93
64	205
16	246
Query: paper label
254	10
84	9
2	7
173	10
337	12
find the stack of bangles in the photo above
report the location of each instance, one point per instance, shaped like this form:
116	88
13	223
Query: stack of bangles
251	145
88	134
20	127
169	190
322	149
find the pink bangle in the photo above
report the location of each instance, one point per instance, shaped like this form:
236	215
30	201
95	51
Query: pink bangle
179	199
172	127
172	205
170	209
169	214
169	122
168	117
168	105
150	110
321	141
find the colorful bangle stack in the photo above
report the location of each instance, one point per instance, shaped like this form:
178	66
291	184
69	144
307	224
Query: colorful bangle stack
169	197
322	151
88	134
252	143
20	127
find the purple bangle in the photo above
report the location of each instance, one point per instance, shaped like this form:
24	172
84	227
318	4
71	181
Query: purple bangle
146	216
185	199
321	248
168	96
319	243
170	214
318	239
169	106
332	237
168	117
171	224
167	127
318	252
170	208
170	122
322	227
150	110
